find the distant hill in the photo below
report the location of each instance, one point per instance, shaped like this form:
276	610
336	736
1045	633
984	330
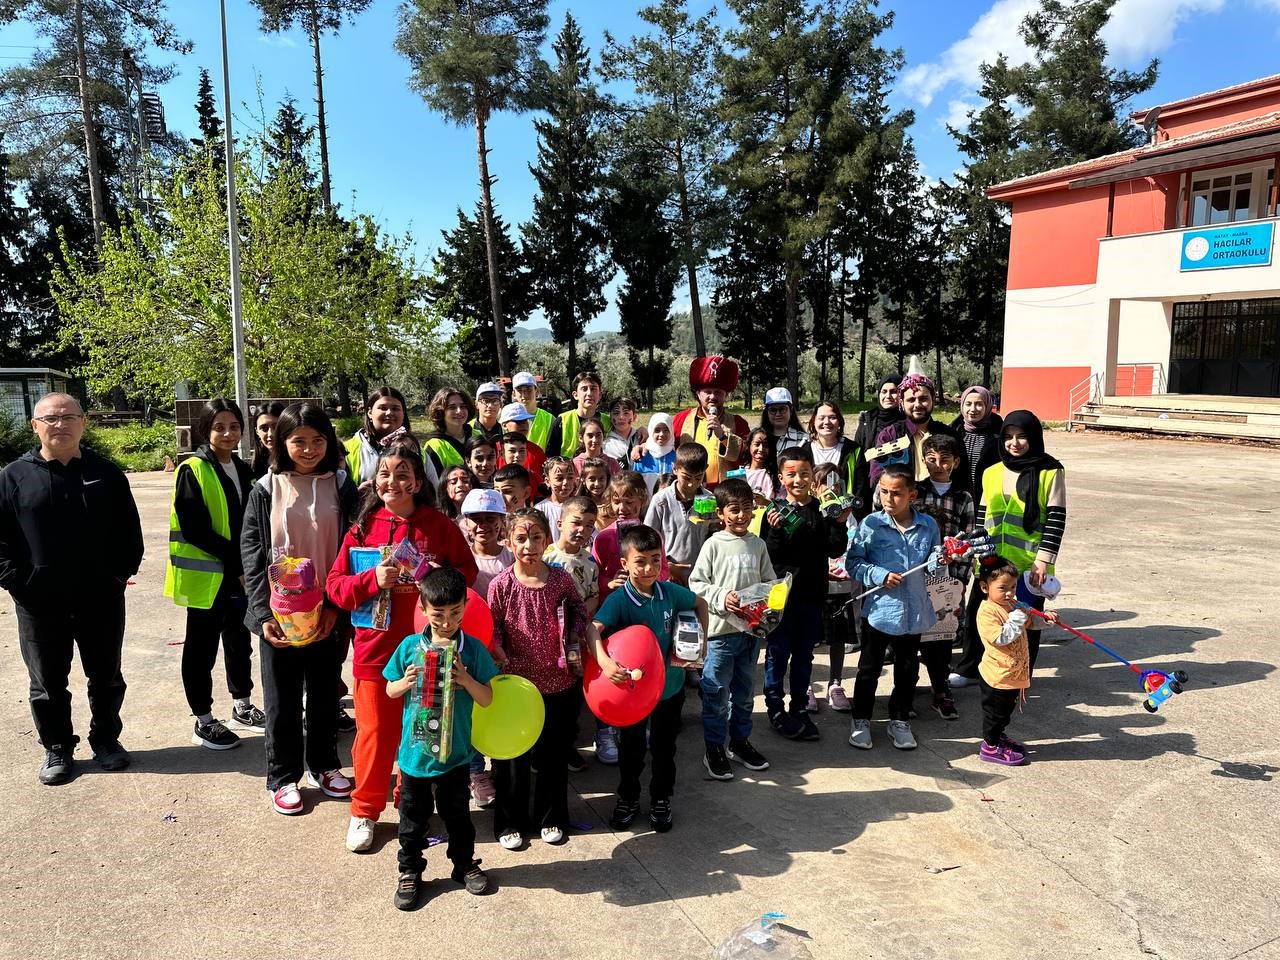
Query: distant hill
533	334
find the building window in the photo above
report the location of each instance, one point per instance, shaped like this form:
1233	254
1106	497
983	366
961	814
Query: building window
1231	195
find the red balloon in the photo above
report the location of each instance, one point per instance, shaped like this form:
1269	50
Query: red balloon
477	619
620	705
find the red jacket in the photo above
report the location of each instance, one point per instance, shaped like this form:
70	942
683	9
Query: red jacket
440	541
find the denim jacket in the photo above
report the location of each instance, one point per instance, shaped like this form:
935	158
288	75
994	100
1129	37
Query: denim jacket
878	549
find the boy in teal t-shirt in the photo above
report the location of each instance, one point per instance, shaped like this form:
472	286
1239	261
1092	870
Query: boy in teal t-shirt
643	600
444	593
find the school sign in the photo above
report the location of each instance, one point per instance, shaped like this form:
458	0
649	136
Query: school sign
1248	245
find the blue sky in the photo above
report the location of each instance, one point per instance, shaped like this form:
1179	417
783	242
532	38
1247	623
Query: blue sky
410	169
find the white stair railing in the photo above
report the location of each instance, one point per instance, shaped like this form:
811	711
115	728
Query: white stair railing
1087	391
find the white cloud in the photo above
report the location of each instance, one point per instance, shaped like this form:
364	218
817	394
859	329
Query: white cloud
995	32
278	40
1139	29
958	113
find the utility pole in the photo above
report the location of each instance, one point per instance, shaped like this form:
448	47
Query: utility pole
233	242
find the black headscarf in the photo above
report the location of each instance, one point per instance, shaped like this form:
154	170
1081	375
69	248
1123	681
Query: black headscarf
878	417
1029	465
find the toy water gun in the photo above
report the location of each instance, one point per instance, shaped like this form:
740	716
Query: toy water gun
965	546
1156	684
762	605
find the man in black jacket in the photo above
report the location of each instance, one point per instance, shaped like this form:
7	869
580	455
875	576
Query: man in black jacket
69	541
901	442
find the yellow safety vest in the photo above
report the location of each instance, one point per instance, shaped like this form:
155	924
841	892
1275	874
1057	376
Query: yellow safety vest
445	452
540	427
353	459
1004	517
192	577
571	426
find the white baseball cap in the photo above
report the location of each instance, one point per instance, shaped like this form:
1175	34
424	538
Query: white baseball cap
524	379
514	411
483	501
1049	588
776	395
488	388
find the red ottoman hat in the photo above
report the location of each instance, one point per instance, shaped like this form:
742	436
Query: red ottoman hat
715	372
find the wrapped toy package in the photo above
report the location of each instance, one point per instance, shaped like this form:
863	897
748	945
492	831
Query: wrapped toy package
297	600
433	700
765	938
374	613
762	606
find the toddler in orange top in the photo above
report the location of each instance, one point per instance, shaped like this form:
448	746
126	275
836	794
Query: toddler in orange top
1005	671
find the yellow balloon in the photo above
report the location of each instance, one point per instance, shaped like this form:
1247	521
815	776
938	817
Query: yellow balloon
510	725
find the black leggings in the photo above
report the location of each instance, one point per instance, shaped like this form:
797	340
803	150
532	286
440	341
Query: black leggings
223	621
997	710
839	628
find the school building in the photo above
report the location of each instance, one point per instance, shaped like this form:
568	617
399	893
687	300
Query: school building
1142	289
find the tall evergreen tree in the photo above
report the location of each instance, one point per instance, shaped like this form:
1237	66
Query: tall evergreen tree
210	143
461	289
315	17
471	59
647	252
750	301
1075	103
673	115
15	267
787	102
564	242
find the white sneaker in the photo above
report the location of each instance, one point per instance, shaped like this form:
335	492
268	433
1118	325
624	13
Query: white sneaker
286	799
900	732
360	834
607	745
955	680
552	835
510	840
860	734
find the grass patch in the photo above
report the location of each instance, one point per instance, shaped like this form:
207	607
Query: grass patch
134	447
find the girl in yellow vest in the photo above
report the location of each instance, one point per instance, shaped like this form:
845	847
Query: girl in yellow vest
386	416
1024	507
203	574
446	444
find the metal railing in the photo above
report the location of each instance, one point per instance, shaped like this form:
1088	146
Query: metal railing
1087	391
1133	379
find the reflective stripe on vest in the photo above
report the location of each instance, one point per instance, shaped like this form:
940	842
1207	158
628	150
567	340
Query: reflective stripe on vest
445	452
1004	517
192	576
571	426
540	427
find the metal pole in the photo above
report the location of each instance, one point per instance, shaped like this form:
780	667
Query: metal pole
233	242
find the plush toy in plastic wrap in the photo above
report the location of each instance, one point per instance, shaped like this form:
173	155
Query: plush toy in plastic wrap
297	600
761	606
765	938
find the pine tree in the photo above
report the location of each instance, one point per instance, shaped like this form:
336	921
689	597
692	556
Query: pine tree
673	116
288	143
471	59
647	252
564	242
210	143
15	267
1075	103
461	288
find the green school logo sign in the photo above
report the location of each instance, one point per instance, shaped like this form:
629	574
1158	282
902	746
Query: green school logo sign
1248	245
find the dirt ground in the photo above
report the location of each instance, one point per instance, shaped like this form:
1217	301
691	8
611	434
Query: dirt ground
1130	835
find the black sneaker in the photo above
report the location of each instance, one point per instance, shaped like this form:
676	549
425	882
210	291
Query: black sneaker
624	814
472	877
250	718
57	766
717	763
575	763
786	724
808	729
945	706
214	736
346	722
660	815
407	890
112	756
747	755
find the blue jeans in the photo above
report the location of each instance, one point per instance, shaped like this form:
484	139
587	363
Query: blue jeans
728	683
794	640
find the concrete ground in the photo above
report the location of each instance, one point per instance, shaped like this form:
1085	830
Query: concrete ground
1130	835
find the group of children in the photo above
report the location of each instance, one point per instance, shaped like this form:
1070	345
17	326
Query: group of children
597	553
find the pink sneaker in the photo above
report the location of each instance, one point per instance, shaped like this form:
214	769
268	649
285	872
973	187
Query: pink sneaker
837	699
286	799
332	784
1001	754
482	791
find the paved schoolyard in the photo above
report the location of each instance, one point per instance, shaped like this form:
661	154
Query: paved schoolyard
1130	835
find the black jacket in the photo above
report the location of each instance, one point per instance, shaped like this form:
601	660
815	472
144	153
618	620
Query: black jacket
66	533
255	544
898	430
197	525
804	554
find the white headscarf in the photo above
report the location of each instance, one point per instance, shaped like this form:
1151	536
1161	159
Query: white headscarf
658	452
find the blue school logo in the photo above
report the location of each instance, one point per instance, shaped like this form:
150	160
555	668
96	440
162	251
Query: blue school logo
1247	245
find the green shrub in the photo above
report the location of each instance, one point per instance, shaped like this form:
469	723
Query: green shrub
16	438
346	427
134	447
